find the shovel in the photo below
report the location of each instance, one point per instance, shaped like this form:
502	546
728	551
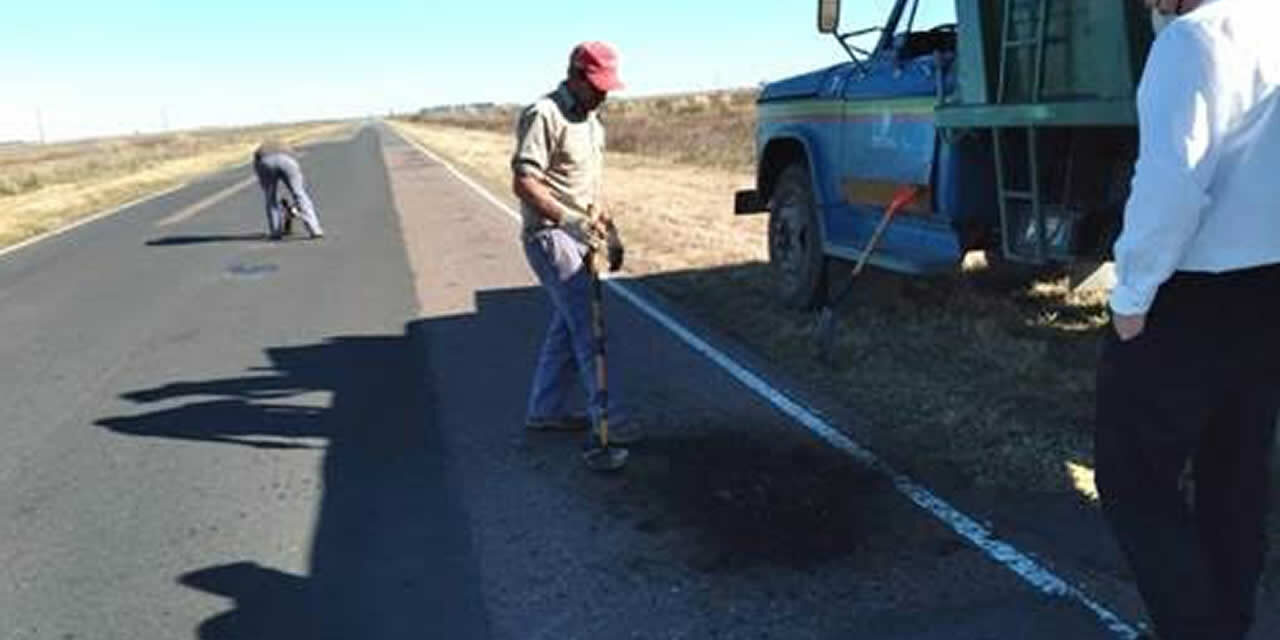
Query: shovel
825	334
599	456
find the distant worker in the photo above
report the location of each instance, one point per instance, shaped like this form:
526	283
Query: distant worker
1190	372
557	167
274	163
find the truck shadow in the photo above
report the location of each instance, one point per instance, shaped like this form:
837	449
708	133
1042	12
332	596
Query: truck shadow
713	489
390	553
956	373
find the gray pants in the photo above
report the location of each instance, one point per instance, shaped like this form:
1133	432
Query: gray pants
272	169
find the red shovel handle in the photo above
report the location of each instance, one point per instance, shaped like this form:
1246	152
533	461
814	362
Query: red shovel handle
904	196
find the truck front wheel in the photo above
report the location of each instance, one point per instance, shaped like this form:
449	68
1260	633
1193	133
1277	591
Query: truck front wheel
795	241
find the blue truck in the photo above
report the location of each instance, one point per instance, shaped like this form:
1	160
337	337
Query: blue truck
1006	126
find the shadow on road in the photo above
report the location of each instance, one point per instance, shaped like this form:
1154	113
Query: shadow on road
174	241
391	555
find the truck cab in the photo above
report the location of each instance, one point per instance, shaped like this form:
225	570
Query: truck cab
986	120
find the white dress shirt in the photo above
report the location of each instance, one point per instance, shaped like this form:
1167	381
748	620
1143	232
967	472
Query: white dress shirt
1206	188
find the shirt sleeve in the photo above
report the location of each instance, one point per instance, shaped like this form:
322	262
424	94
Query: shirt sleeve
533	143
1181	109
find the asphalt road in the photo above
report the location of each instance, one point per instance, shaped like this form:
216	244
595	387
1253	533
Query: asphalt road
209	435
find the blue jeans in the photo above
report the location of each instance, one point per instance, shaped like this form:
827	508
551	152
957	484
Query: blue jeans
557	261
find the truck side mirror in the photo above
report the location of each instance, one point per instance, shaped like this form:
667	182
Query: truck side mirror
828	16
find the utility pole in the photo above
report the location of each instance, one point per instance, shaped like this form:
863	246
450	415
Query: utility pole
40	124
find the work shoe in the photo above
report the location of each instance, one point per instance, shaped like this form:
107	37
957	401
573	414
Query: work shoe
600	459
629	432
562	423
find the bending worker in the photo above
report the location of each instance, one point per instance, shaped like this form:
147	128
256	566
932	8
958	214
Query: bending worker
1190	373
557	167
274	163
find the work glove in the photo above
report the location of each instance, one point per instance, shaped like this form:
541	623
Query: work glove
581	228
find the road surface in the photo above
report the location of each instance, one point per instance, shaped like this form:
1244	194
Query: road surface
208	435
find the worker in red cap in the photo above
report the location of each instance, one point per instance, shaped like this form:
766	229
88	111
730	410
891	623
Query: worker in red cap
557	168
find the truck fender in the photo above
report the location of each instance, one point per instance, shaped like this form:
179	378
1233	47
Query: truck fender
781	150
784	147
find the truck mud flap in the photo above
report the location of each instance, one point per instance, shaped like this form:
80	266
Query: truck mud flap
748	201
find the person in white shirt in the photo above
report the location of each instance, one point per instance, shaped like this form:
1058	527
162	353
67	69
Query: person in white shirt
1190	373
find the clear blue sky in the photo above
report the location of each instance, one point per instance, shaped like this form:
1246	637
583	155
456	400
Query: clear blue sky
93	67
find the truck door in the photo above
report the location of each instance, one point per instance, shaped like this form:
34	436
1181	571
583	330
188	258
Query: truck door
888	134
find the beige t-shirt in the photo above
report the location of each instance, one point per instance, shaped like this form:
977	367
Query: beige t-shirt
563	148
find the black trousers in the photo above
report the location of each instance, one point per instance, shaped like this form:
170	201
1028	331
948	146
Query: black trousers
1198	389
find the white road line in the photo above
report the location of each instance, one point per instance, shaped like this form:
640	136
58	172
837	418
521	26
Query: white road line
137	201
998	550
103	214
83	221
191	210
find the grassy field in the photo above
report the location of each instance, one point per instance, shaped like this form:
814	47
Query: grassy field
44	187
965	379
714	129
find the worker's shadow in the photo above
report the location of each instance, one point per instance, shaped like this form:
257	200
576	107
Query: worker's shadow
391	554
183	240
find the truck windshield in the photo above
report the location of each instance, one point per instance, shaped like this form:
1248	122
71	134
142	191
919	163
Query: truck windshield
923	15
917	16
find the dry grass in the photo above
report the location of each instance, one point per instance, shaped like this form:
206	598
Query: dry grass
714	129
962	378
44	187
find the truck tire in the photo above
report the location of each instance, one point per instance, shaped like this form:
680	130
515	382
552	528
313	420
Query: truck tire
795	241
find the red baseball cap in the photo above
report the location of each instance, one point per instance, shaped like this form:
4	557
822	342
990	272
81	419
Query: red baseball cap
599	62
